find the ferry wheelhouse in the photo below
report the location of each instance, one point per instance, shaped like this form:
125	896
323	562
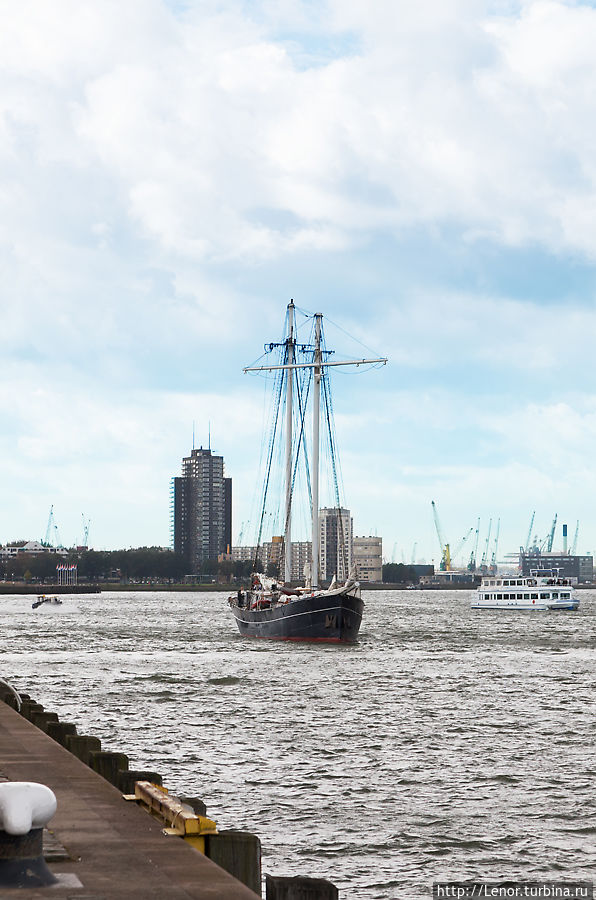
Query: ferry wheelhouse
542	589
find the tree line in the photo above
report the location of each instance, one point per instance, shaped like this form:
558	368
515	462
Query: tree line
141	563
150	563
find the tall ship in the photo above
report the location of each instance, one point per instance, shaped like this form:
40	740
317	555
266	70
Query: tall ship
271	607
542	589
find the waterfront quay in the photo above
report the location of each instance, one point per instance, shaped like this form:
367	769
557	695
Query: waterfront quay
99	845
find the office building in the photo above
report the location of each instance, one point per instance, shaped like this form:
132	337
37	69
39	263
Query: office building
201	509
335	543
272	553
368	556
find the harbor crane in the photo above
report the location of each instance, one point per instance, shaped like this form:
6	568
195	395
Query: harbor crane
445	552
549	539
86	527
460	546
574	544
446	555
529	537
493	562
52	538
484	561
474	553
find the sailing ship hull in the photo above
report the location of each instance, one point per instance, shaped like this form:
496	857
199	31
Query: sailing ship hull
332	619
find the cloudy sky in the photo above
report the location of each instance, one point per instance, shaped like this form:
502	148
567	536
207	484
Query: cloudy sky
423	173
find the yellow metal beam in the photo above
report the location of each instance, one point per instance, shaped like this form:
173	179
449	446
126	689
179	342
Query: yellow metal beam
177	817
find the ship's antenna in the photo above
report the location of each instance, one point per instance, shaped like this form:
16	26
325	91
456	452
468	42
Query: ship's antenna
209	435
193	434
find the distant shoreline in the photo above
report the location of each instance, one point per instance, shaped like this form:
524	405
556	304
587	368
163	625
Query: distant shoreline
116	587
102	587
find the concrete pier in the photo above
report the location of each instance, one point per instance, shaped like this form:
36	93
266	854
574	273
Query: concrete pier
102	846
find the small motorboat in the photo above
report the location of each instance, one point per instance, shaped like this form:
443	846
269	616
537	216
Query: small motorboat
56	601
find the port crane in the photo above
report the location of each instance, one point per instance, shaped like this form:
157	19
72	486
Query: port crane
445	552
574	544
460	546
549	539
493	562
52	538
446	555
484	561
86	527
474	553
529	537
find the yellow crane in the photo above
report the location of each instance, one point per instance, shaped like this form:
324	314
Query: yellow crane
445	552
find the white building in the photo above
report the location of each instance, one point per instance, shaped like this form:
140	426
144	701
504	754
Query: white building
368	556
336	531
272	552
29	548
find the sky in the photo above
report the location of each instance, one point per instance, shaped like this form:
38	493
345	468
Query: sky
423	174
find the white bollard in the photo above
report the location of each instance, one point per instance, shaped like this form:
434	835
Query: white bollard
25	807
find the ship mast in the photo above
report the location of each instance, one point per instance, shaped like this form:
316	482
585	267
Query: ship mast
318	366
289	445
316	407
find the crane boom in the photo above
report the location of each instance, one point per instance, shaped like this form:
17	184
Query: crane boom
50	528
485	554
460	546
445	553
529	537
474	553
574	544
493	562
551	536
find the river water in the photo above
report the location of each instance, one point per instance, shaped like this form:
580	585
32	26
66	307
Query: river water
448	744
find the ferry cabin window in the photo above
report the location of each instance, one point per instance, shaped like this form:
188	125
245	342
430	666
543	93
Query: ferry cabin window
533	596
545	596
520	596
565	596
499	596
506	583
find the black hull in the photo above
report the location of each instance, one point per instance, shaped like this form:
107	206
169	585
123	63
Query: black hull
331	619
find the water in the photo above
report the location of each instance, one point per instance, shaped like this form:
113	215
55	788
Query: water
448	744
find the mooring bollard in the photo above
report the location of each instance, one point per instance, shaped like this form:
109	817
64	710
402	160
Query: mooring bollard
41	719
108	764
127	778
28	708
25	807
280	887
82	745
239	853
59	731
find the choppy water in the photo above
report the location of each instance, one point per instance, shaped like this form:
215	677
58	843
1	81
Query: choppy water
448	744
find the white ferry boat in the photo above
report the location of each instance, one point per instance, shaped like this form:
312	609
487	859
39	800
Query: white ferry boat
542	589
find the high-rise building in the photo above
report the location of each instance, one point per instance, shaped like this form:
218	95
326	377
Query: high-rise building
202	509
335	543
368	556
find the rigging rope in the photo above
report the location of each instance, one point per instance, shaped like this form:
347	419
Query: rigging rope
269	460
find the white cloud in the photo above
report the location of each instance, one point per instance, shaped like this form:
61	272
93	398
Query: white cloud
445	114
159	170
